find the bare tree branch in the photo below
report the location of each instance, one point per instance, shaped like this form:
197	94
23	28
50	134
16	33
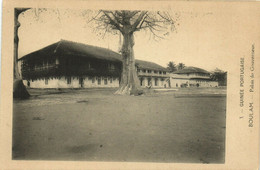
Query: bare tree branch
112	21
133	13
139	19
95	17
166	17
117	19
158	23
105	31
160	37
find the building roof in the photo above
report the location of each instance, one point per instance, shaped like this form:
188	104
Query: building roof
64	47
186	70
148	65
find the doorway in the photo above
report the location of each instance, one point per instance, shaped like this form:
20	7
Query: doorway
81	82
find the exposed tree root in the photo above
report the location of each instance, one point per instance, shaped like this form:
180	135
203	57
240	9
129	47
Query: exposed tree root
129	90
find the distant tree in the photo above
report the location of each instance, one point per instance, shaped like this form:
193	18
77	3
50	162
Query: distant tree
180	66
220	76
171	66
126	23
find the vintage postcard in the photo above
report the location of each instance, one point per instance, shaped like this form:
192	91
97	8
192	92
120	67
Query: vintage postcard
130	85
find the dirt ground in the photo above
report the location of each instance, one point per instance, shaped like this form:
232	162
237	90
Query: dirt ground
95	125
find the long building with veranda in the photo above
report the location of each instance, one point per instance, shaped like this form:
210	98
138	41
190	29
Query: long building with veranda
67	64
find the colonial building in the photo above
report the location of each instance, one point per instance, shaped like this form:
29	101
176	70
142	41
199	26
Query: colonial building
67	64
192	77
152	75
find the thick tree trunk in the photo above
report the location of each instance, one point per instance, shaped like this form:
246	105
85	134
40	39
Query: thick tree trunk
19	90
129	83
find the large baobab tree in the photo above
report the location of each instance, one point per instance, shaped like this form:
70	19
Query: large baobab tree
126	23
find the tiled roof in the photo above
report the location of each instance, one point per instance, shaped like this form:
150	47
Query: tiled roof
186	70
64	47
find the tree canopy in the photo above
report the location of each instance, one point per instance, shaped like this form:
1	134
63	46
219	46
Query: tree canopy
220	76
171	66
157	22
180	66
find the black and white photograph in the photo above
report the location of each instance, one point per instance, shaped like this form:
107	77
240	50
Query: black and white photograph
130	85
107	91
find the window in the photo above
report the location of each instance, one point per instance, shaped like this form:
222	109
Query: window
141	81
138	70
111	80
57	61
144	71
93	79
149	82
160	72
105	81
111	66
164	72
81	82
156	82
155	72
68	80
46	81
99	80
149	71
162	81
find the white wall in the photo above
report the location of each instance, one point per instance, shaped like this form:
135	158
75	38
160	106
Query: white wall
177	82
62	83
202	83
160	84
87	83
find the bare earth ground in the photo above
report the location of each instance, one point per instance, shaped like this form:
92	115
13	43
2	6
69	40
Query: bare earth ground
95	125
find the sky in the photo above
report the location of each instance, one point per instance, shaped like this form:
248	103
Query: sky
205	38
